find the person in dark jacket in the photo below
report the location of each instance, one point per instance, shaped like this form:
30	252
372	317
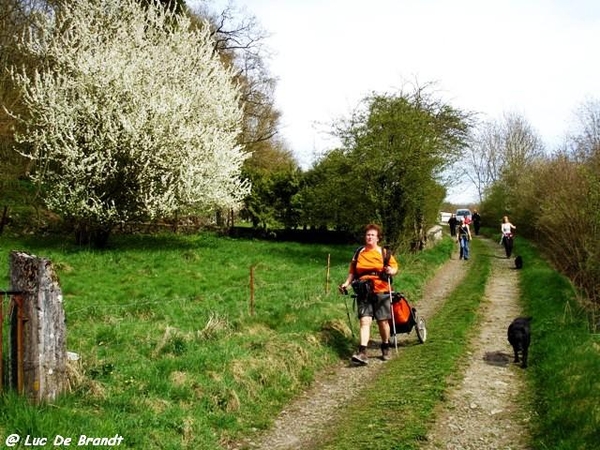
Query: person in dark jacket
452	222
476	217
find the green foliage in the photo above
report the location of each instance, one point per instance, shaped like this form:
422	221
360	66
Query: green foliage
565	358
330	196
395	151
272	200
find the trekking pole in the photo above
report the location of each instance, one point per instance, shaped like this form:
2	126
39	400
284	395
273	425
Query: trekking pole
344	292
392	313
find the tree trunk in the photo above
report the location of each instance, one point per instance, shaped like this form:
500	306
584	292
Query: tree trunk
38	339
91	234
4	219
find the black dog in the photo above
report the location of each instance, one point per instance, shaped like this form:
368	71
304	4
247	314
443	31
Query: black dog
519	262
519	336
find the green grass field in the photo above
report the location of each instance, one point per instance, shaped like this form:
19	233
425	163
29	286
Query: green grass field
565	367
171	356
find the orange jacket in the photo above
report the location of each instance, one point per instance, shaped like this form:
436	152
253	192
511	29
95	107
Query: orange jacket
369	261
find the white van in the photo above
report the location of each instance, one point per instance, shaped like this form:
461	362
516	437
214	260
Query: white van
466	213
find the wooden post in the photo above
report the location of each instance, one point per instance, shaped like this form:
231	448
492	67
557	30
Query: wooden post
38	337
1	343
327	275
4	219
252	290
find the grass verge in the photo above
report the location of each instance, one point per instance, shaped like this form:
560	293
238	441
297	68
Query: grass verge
564	359
394	411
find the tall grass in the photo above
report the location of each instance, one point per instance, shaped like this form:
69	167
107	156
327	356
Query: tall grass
171	356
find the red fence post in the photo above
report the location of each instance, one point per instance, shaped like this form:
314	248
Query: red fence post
16	333
18	301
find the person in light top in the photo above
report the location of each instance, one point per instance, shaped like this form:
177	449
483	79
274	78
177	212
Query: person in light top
507	235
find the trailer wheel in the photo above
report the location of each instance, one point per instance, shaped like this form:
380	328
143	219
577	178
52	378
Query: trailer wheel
421	329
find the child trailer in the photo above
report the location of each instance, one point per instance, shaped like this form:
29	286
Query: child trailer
405	319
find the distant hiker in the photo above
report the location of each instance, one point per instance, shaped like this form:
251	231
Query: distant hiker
452	222
370	275
464	236
507	235
476	217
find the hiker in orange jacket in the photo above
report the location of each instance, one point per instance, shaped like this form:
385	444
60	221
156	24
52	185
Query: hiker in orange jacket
369	277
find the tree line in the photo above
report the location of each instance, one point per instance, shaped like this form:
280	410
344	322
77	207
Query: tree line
552	195
119	111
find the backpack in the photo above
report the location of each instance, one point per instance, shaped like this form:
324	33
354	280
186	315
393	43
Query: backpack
387	254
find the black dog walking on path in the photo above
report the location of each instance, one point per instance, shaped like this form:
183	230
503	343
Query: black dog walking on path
519	336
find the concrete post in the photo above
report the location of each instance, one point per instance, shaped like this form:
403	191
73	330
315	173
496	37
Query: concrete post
38	334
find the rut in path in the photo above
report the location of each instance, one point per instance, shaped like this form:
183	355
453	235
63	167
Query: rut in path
487	410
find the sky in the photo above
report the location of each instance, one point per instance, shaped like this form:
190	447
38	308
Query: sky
537	58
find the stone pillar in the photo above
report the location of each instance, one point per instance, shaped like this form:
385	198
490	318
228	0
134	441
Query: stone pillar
38	358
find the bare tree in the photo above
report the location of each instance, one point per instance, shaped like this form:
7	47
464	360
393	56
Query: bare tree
240	41
586	140
500	151
482	157
522	145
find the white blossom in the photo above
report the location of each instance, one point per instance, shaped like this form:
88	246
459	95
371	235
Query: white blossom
132	114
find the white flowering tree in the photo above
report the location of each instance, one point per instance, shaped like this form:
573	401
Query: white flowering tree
131	115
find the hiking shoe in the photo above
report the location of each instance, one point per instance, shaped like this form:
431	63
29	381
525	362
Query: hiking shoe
360	358
385	353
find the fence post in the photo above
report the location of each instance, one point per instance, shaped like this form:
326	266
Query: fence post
327	279
2	343
38	357
252	291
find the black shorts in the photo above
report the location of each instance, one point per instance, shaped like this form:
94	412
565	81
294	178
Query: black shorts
375	305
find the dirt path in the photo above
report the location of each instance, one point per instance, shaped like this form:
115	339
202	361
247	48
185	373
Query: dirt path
302	423
486	410
480	413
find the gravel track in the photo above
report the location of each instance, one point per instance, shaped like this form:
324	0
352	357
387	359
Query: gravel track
481	412
486	410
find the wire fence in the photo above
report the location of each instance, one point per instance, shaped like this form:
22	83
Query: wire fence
316	282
